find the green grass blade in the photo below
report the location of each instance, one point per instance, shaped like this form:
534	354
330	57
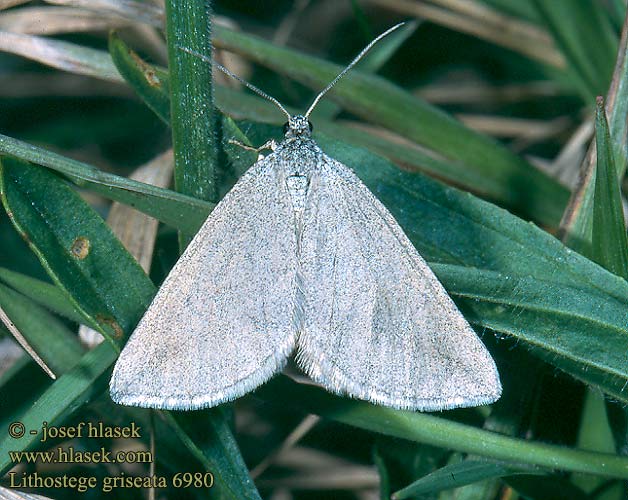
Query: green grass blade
65	395
461	474
586	37
151	83
208	431
45	294
429	429
610	244
617	105
526	189
57	346
577	222
194	119
384	476
175	209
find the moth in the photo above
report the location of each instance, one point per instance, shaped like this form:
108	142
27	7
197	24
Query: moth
300	256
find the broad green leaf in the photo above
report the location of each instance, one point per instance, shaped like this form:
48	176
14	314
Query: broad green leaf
564	322
429	429
523	187
76	248
193	117
461	474
610	244
175	209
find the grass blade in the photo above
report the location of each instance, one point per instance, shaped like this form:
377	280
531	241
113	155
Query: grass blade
42	293
429	429
70	391
175	209
209	433
577	222
152	84
50	339
461	474
194	119
62	55
587	39
610	244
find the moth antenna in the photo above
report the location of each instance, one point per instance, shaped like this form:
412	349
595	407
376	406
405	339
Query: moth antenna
259	92
351	65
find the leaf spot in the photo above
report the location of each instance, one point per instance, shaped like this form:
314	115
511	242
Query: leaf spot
108	320
80	247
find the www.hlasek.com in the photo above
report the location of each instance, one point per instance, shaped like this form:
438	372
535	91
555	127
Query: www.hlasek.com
70	455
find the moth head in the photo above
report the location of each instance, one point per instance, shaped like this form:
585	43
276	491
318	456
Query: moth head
297	126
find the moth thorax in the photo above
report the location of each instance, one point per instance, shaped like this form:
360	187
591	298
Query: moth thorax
297	187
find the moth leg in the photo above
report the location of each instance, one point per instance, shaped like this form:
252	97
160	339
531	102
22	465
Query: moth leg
271	144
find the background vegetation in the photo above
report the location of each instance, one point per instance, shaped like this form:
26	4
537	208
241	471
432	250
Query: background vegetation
477	124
